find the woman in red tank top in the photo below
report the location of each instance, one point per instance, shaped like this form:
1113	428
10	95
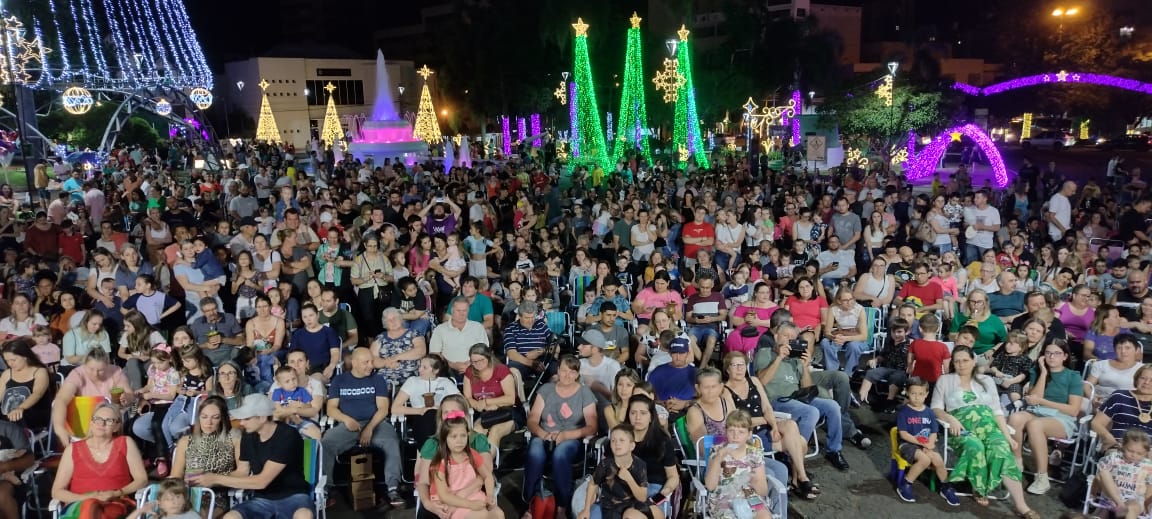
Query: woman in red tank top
99	475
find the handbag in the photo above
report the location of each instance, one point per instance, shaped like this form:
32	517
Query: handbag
488	419
749	331
805	395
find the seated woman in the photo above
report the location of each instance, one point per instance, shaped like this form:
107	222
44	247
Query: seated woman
213	445
1125	409
968	402
845	329
229	384
96	376
1117	374
28	388
750	320
98	475
490	388
563	414
397	350
975	312
617	411
619	485
736	482
136	343
808	311
1053	404
1099	342
420	395
423	479
654	448
747	393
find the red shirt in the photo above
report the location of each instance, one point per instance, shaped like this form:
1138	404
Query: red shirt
72	245
697	230
491	388
929	357
928	294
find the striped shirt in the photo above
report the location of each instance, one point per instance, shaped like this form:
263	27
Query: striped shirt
526	340
1125	411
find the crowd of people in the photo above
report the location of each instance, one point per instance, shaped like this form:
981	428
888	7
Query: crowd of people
204	328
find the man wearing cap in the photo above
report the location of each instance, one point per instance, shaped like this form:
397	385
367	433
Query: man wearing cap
675	382
358	403
597	371
243	241
270	465
526	342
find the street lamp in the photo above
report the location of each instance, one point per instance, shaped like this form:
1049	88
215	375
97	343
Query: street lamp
893	66
1071	11
672	45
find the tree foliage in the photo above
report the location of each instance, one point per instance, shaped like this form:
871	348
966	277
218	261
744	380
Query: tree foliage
865	119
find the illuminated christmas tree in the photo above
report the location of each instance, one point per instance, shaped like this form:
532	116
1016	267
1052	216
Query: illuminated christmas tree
589	146
686	139
266	128
427	128
633	122
332	132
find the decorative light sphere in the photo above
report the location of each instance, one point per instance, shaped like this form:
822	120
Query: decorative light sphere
201	97
77	100
163	107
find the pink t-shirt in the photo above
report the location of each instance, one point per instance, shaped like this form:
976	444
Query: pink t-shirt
949	286
113	377
652	300
806	313
163	381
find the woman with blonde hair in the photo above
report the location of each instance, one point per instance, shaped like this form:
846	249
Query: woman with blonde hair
99	474
627	379
976	312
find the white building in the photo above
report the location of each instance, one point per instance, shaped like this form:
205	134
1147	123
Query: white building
296	91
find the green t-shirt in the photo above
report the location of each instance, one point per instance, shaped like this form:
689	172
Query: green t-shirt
1065	384
992	332
787	379
478	442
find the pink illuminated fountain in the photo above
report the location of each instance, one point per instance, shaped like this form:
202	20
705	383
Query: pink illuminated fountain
386	135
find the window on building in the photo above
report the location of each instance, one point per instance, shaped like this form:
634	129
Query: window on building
347	92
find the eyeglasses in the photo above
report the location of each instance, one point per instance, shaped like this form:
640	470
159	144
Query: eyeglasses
1053	353
226	373
973	301
734	365
105	421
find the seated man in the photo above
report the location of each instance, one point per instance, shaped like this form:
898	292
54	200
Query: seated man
610	292
526	343
836	264
706	310
480	307
927	295
675	382
617	338
358	402
339	319
13	439
270	465
1006	303
452	339
218	333
783	374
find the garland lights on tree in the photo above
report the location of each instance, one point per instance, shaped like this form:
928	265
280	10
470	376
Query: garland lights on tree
332	131
686	138
633	112
427	128
589	146
266	128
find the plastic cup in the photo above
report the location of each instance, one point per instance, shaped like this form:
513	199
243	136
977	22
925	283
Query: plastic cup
116	393
429	399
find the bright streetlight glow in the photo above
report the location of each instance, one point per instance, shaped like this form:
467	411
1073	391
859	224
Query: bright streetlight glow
1071	11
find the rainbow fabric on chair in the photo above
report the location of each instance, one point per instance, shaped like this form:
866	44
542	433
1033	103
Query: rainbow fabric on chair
80	411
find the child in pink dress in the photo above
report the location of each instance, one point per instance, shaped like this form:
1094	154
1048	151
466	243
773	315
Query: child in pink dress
460	478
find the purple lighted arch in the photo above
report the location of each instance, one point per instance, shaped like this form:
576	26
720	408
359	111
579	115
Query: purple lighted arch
924	163
1055	78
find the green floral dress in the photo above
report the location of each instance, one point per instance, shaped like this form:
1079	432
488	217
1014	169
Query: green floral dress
984	455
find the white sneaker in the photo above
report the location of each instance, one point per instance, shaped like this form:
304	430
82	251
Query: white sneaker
1040	486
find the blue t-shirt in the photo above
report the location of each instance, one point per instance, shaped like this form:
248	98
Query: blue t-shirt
672	382
922	424
282	397
208	264
357	396
317	345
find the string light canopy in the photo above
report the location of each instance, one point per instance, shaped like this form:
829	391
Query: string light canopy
924	163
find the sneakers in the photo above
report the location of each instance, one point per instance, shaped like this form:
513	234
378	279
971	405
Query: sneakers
860	441
949	495
1040	486
904	490
394	497
837	460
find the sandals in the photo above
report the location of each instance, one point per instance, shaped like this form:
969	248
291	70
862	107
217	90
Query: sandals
983	501
1030	514
806	490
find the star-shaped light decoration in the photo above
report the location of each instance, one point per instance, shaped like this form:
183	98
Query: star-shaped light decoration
682	151
1046	78
20	53
900	157
581	28
670	80
635	19
1062	76
683	33
884	91
561	93
855	157
955	136
1075	77
424	72
750	106
330	88
263	84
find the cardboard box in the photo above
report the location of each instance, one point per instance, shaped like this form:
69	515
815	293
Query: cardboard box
363	494
361	467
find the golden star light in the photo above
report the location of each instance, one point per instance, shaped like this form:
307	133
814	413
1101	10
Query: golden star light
635	19
884	91
581	28
424	72
683	33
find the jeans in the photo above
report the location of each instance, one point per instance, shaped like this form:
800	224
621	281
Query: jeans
266	364
145	427
723	260
653	489
973	253
832	354
565	455
702	333
806	416
339	439
283	508
837	383
178	419
420	326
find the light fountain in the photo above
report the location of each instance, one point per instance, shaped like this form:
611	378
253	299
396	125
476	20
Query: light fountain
386	135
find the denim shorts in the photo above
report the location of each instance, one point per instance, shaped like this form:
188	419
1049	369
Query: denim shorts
263	508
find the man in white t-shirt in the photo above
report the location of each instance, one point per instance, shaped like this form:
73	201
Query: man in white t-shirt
597	371
985	221
1059	213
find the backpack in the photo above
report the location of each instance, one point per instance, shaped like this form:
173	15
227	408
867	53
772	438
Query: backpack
543	505
1074	490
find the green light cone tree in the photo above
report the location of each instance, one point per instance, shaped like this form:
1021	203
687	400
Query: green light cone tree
686	139
633	121
590	147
